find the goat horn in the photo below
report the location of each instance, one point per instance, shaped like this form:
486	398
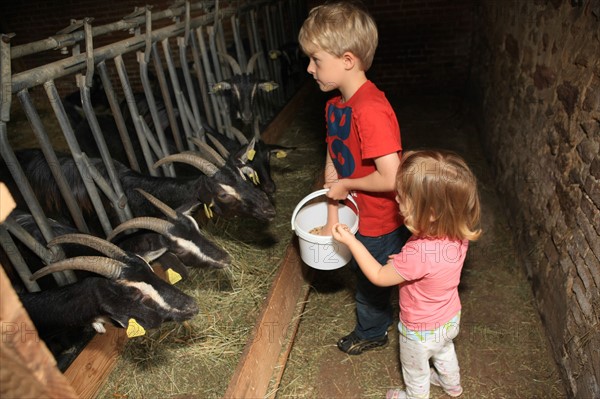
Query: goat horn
245	157
107	267
220	148
238	135
208	152
99	244
252	63
203	165
157	225
235	67
257	127
164	208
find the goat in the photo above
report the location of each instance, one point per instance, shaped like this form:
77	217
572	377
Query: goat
243	86
178	235
114	142
221	191
73	105
252	157
292	65
128	294
177	238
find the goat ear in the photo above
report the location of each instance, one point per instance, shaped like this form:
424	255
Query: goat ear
268	86
221	86
119	320
248	152
274	54
170	261
188	208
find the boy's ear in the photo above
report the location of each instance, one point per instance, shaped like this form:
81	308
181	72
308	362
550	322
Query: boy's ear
350	59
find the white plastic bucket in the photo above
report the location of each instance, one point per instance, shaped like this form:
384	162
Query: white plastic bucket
322	252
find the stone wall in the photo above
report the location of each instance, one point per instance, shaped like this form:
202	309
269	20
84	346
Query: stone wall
536	87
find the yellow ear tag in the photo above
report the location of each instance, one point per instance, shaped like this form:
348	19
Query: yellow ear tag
207	211
251	154
134	329
281	154
172	276
270	86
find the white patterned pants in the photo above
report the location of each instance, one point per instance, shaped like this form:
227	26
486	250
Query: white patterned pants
418	347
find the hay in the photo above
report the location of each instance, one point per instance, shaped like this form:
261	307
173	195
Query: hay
200	357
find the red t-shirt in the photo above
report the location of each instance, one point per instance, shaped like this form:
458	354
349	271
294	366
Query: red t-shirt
363	128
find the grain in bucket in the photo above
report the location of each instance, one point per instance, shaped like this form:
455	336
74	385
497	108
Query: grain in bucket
322	252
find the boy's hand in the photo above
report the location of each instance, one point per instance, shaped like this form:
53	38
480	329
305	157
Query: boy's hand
342	233
326	230
337	190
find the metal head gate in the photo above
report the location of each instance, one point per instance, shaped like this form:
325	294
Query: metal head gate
187	94
186	55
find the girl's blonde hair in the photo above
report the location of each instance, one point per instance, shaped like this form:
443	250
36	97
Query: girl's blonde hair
338	27
437	195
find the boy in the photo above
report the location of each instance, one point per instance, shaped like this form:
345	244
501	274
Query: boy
363	152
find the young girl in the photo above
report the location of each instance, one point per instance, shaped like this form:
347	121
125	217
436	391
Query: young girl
437	196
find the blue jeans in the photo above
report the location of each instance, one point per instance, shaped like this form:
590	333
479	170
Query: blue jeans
373	307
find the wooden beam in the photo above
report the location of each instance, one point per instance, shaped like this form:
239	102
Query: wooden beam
90	369
271	331
27	368
262	364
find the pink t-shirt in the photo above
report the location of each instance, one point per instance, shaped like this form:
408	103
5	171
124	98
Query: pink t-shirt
431	268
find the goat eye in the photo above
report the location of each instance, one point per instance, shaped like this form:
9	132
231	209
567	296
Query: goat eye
225	197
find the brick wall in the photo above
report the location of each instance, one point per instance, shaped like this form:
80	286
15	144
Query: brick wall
537	90
424	45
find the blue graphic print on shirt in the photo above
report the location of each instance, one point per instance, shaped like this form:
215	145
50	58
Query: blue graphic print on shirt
338	129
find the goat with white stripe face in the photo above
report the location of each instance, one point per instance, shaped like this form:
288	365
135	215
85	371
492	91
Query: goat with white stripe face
221	192
127	289
242	89
252	157
178	235
225	193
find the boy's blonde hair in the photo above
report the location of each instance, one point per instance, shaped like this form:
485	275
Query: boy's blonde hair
338	27
437	194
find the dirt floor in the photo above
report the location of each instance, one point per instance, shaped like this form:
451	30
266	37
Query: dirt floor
502	348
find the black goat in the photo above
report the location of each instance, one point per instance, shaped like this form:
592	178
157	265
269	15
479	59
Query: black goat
222	192
179	235
292	64
128	289
252	157
73	105
129	295
114	142
243	87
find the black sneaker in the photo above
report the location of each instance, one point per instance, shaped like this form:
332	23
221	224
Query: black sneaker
353	345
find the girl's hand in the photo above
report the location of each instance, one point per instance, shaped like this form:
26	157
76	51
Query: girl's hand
342	233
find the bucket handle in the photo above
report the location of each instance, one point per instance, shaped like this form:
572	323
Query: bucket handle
312	196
